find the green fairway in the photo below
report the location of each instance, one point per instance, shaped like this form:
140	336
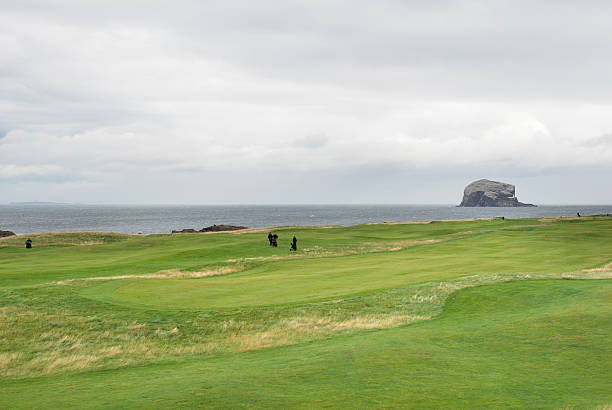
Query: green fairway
465	314
474	355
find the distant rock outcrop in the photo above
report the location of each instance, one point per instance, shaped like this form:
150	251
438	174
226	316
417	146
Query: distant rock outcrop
4	234
219	228
213	228
490	193
188	230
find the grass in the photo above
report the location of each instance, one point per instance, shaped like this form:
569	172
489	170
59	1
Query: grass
446	314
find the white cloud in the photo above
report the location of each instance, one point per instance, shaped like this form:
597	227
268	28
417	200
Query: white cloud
104	95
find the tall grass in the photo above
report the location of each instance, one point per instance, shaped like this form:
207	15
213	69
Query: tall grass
62	337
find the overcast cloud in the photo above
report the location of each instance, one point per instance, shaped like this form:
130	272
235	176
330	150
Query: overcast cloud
304	101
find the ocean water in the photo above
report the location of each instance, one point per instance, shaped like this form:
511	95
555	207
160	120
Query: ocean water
163	219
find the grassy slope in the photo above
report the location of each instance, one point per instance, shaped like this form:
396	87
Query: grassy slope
532	249
132	254
520	344
487	343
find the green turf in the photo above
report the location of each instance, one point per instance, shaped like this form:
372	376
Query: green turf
440	315
535	344
312	279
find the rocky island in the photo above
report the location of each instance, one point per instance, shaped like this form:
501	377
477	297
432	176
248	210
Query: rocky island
490	193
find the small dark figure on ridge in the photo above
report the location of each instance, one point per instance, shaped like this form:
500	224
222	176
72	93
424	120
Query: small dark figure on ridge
578	213
275	240
270	238
29	244
294	244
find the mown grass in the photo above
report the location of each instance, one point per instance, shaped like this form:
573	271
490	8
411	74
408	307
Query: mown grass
535	344
57	325
143	254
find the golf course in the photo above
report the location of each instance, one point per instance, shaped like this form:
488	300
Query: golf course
486	313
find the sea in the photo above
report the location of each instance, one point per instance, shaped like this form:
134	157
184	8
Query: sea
29	218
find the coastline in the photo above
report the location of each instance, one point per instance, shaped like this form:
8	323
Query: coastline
265	229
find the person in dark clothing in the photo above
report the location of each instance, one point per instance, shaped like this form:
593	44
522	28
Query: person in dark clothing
275	240
29	244
270	238
294	244
578	213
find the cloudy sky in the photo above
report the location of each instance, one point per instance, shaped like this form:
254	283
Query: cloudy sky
214	102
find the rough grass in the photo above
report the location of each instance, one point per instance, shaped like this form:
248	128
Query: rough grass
518	344
63	239
72	341
163	274
60	314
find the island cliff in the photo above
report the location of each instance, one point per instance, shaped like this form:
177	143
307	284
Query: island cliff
490	193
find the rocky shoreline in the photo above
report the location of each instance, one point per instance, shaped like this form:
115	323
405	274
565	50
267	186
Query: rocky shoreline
5	234
212	228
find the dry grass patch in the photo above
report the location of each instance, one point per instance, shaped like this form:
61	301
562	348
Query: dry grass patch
297	329
63	239
54	339
591	275
7	358
318	324
71	362
163	274
606	268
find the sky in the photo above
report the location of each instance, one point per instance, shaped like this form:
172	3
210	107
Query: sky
310	102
